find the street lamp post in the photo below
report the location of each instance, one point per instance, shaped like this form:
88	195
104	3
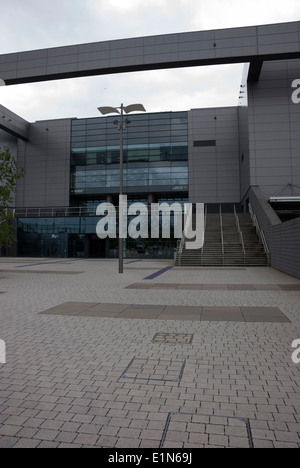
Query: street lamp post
120	110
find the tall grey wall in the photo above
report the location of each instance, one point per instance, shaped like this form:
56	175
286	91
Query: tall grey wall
244	150
10	141
283	238
214	173
286	247
46	160
13	124
274	123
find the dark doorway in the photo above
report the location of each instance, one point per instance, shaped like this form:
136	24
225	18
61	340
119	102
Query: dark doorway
97	247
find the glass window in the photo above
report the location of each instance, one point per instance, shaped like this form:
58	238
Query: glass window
150	140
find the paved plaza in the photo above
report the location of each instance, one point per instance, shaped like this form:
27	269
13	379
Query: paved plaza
158	357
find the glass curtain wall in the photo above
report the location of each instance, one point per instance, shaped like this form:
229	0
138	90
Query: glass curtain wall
155	155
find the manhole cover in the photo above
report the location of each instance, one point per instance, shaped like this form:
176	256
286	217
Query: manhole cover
154	369
207	431
173	338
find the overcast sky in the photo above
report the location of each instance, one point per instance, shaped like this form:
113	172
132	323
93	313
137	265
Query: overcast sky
37	24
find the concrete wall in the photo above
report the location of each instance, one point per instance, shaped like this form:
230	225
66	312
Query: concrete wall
274	123
13	124
286	247
214	174
244	150
10	141
283	238
46	160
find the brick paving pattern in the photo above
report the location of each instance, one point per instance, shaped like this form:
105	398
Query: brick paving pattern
173	338
203	431
65	384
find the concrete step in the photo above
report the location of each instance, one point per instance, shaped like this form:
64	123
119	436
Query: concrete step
212	252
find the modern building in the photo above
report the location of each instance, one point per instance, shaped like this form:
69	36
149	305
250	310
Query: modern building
232	159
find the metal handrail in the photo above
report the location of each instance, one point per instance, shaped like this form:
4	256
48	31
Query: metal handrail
205	222
180	250
187	222
5	210
260	232
222	235
53	212
240	233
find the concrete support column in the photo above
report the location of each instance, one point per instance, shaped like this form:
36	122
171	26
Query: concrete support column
150	199
109	198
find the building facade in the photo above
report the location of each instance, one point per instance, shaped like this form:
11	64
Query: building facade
243	156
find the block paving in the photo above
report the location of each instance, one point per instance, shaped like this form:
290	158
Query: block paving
65	382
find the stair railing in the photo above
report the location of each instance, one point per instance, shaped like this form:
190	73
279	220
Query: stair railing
181	247
188	220
205	222
260	233
240	233
222	235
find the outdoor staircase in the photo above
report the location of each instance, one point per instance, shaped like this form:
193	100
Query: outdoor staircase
231	240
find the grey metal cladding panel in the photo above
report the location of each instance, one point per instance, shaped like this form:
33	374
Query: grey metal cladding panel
279	28
94	47
286	247
284	38
8	60
196	36
130	61
155	59
162	39
196	46
13	124
131	52
229	113
7	74
60	60
97	56
32	63
272	136
157	51
250	31
285	48
272	109
59	69
62	51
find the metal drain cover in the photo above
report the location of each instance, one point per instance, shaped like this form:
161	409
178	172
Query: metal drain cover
173	338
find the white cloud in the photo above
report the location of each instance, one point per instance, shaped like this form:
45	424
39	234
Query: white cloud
36	24
129	6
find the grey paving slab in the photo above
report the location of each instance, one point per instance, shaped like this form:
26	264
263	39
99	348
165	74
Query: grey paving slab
185	317
215	287
263	314
183	310
101	307
159	312
97	313
289	287
222	314
69	308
